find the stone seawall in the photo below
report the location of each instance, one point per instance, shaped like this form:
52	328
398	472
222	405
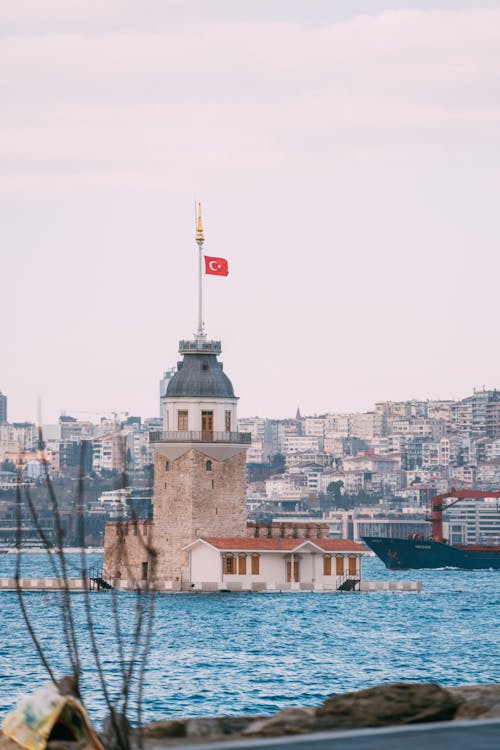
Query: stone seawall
46	584
393	704
78	584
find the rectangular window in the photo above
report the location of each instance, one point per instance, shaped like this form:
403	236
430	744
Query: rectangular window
227	421
229	565
255	565
182	421
339	565
327	566
144	571
242	565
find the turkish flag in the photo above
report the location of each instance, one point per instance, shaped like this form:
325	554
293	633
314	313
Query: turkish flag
216	266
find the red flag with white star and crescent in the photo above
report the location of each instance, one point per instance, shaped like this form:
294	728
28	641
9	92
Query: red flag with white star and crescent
216	266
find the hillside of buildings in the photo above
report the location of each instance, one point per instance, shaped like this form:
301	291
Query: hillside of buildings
363	473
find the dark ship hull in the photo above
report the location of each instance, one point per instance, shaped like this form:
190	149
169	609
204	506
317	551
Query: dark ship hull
404	554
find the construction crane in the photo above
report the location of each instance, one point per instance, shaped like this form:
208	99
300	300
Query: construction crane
439	506
100	413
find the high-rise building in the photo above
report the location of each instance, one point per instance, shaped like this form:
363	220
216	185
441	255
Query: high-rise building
478	414
167	376
3	407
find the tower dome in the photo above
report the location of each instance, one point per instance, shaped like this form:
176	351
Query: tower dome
200	375
200	397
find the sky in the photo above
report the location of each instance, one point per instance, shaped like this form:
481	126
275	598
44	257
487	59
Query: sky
347	158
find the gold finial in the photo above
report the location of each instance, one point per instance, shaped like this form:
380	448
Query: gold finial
199	227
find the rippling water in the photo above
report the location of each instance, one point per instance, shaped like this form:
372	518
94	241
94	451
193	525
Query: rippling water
257	653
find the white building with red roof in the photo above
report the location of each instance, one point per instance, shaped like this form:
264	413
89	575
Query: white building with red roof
275	564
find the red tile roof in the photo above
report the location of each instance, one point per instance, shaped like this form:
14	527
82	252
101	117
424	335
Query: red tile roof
257	544
340	545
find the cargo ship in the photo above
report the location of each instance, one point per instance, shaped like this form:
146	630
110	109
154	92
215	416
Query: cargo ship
417	552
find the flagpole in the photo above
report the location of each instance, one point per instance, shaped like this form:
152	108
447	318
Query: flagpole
199	241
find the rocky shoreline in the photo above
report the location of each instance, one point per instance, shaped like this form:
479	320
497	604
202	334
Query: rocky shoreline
386	705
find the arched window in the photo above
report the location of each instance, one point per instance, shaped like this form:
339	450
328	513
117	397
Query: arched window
242	565
352	565
255	564
208	466
167	465
339	565
229	564
327	565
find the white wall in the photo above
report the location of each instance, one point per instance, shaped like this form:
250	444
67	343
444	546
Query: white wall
206	567
205	563
194	407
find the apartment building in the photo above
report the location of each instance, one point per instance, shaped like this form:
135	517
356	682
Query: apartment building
3	407
368	425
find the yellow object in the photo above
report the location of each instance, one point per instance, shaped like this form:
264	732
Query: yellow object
46	712
199	227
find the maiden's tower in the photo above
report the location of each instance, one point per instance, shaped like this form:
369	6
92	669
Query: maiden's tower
199	532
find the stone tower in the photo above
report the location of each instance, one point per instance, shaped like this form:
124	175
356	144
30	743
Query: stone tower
199	466
200	459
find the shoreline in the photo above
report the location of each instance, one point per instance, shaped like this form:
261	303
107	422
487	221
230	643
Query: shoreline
390	705
52	551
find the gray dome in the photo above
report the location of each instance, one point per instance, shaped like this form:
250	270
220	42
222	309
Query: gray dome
200	375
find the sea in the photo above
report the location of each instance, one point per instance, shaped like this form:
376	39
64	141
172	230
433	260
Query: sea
240	653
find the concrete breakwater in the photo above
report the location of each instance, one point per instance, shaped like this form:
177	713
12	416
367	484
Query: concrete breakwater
392	704
93	584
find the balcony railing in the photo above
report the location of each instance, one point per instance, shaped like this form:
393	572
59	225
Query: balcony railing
203	436
199	345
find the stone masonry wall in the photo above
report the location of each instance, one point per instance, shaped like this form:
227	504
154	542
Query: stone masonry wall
125	550
195	496
288	530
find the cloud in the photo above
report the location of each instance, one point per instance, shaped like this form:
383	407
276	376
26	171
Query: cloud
248	96
350	170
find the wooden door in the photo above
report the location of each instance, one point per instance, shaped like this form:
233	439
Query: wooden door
207	425
339	565
352	566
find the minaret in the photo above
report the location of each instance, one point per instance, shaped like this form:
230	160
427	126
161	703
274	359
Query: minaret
200	458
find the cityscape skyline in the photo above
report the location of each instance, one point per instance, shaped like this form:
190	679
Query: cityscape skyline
95	416
339	467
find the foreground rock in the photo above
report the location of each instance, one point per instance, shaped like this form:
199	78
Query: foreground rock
477	701
385	705
201	727
288	721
